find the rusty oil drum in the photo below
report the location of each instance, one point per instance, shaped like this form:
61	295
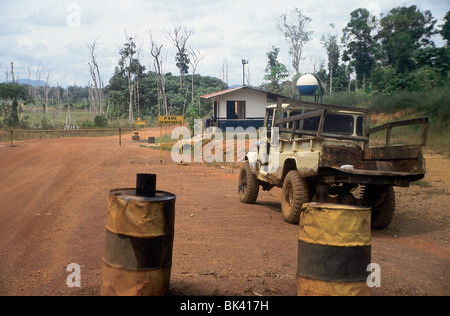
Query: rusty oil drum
334	250
137	257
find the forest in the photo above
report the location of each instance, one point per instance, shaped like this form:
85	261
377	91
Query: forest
387	63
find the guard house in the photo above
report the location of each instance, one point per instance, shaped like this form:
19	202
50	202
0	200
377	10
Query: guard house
242	106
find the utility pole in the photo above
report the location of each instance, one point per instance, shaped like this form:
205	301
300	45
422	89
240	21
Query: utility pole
244	62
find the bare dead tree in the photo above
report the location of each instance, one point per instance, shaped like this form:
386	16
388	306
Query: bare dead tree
46	89
34	89
27	72
159	69
295	34
58	102
91	97
96	78
314	61
196	57
131	66
137	96
225	66
12	72
6	72
179	38
68	117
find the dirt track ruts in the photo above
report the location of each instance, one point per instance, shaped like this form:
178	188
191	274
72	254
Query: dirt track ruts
53	199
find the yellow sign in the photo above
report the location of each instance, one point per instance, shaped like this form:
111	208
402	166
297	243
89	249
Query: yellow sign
138	122
171	120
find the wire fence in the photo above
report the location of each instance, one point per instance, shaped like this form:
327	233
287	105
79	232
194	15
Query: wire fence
12	135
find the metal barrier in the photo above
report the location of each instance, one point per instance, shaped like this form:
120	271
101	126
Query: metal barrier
119	130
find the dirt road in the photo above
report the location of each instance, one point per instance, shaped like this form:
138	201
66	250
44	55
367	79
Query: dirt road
53	201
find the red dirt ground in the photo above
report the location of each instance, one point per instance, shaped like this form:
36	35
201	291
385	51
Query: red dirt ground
53	203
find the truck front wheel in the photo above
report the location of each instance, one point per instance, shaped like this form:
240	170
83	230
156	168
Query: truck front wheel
248	185
294	194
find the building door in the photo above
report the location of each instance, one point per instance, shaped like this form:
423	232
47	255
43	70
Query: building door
216	114
231	110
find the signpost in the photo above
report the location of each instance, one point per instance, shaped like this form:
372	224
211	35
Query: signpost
139	122
168	120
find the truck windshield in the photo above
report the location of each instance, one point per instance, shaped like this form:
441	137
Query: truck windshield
334	123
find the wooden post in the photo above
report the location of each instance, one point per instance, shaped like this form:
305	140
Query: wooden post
181	149
367	130
160	142
388	136
425	133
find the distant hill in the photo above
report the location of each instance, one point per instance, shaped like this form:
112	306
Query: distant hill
34	83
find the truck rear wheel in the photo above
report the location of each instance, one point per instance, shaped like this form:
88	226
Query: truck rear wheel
383	214
294	194
248	185
382	202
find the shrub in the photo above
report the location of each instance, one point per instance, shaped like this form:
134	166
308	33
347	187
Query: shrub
100	121
356	98
87	124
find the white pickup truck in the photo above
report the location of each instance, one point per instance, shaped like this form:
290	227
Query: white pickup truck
322	154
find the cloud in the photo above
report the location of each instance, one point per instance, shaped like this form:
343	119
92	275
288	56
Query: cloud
54	15
54	33
10	27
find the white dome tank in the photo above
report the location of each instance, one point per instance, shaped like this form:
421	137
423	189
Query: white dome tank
307	84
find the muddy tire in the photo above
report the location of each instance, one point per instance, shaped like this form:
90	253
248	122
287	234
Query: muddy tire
382	202
294	194
248	185
383	214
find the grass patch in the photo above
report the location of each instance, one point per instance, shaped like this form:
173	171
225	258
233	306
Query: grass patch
36	134
437	140
421	183
30	119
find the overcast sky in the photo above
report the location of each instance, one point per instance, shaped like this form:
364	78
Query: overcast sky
54	33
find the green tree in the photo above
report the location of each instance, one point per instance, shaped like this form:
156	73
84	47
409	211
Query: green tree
275	71
182	62
403	31
13	92
437	58
445	32
361	45
179	38
341	80
131	67
117	91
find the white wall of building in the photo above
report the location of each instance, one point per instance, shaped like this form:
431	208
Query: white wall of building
255	102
